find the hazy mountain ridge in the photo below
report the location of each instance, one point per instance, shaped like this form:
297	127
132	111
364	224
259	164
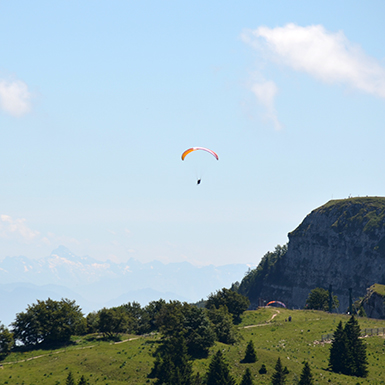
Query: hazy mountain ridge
95	284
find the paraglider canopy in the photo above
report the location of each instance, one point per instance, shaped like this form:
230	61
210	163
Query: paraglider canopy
192	149
276	302
199	148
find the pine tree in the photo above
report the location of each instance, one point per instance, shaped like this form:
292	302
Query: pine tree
247	378
250	355
348	351
358	363
306	376
70	379
339	357
219	373
278	377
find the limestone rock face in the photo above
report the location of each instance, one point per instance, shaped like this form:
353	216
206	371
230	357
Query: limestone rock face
373	302
342	244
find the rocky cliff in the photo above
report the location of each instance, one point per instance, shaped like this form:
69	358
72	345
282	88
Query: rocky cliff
373	302
342	244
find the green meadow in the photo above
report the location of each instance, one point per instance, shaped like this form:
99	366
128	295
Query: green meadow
129	361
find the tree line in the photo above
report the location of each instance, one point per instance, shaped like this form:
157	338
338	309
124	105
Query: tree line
188	332
52	323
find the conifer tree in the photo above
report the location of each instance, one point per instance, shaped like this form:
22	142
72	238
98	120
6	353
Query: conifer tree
247	378
250	355
348	351
278	377
70	379
306	376
339	357
263	369
358	362
219	373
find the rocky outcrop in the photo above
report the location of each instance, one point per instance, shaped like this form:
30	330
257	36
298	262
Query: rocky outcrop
342	244
373	303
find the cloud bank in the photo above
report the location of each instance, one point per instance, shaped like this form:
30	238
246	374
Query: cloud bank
15	99
326	56
10	228
16	231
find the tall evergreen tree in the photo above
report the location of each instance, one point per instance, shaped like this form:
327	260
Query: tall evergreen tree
70	379
358	363
339	357
306	376
219	373
348	350
250	354
279	376
247	378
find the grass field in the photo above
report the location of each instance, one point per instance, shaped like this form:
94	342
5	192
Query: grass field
130	360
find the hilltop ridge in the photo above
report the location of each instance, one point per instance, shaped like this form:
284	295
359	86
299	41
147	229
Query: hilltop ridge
341	243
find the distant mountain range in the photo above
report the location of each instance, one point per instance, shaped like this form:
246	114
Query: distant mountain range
94	284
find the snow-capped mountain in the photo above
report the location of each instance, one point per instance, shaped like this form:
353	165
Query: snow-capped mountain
94	284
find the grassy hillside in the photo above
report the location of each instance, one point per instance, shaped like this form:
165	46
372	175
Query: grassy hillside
129	361
377	288
370	212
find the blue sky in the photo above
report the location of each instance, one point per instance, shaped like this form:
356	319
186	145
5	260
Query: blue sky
99	99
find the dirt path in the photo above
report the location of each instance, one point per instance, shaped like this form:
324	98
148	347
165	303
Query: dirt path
61	351
43	355
274	315
266	323
130	339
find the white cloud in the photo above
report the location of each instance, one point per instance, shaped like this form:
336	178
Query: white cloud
265	92
10	227
15	98
327	56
